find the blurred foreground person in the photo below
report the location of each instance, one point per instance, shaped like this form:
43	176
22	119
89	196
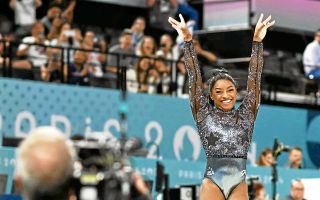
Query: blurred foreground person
296	191
44	165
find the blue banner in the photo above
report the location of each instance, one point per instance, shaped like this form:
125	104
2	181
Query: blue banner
160	121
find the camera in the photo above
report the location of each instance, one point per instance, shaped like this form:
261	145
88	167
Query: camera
69	33
102	171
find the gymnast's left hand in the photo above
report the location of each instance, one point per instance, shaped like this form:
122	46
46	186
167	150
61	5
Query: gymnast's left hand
261	28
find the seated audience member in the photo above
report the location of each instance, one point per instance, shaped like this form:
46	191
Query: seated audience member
44	165
206	60
125	48
166	54
79	71
265	158
166	45
66	39
311	58
295	158
94	59
52	70
35	55
137	29
296	191
146	71
162	77
3	60
182	78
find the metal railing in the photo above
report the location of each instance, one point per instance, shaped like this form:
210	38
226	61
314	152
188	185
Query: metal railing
121	74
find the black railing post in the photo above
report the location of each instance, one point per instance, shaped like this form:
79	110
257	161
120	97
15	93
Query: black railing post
4	55
118	72
68	65
62	65
10	59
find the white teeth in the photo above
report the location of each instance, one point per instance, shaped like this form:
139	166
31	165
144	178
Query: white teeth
226	101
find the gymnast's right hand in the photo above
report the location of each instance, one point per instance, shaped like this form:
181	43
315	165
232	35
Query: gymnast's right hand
181	28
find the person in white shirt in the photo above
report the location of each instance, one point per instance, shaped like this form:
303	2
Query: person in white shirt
25	15
35	54
311	58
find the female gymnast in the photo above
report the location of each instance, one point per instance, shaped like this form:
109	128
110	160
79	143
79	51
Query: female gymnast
225	132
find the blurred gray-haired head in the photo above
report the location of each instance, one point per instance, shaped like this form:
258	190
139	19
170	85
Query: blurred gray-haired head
45	162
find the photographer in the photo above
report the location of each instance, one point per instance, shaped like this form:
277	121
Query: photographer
52	70
44	165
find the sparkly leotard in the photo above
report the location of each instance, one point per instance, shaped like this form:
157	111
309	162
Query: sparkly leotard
225	136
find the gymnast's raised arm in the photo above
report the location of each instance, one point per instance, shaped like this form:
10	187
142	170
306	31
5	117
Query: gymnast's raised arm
198	100
252	99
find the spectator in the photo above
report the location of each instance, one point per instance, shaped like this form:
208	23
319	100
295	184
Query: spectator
66	8
94	58
185	9
259	191
297	191
162	77
160	11
206	60
52	13
295	158
265	158
35	54
165	53
67	38
182	79
166	44
146	71
137	29
311	58
44	165
125	48
79	71
52	70
2	53
25	15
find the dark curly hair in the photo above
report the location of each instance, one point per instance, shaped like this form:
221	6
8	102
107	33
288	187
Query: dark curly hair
220	74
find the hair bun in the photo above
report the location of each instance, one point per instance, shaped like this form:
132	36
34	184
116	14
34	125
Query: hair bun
215	72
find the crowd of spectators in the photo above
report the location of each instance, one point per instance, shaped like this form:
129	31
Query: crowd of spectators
54	49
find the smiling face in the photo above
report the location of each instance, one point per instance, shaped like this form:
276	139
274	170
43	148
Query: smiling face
267	159
224	94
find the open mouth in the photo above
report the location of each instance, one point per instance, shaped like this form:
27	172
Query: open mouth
226	101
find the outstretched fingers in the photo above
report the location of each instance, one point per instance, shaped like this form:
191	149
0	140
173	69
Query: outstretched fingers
173	21
266	21
271	23
181	19
260	18
175	27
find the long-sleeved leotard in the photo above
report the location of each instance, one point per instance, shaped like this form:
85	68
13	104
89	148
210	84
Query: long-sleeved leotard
224	134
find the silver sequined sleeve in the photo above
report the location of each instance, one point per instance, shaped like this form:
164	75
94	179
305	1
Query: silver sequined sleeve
198	98
251	101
